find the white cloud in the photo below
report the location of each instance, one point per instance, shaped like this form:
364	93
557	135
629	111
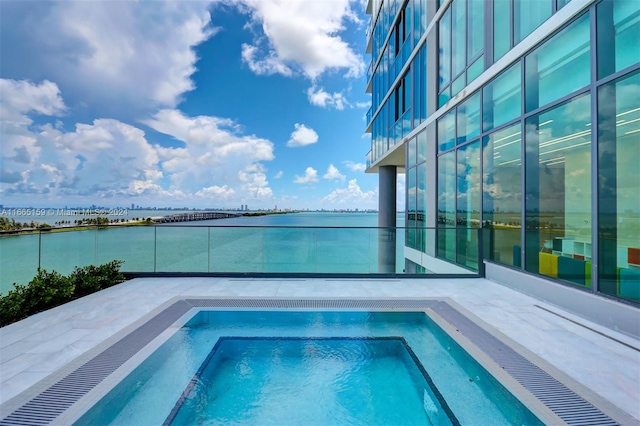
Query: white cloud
107	161
401	186
352	196
302	136
119	55
20	97
255	181
215	191
304	34
310	176
355	167
278	175
319	97
333	174
366	104
214	152
266	66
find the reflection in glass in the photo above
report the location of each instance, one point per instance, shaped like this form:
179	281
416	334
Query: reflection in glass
444	41
411	152
558	192
476	28
547	68
446	205
468	203
501	98
447	131
502	194
422	146
618	26
469	119
421	206
529	15
459	33
501	30
411	207
618	192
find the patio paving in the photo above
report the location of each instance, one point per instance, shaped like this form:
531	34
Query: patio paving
602	360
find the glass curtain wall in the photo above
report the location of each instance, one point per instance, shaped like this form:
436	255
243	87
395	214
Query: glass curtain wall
502	195
446	206
618	26
461	40
468	204
558	192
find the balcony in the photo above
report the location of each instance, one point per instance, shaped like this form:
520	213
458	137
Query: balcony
203	250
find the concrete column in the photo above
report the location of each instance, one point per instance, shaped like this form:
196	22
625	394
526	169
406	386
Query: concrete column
387	219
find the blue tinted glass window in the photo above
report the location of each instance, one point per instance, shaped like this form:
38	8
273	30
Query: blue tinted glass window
560	66
502	98
529	15
447	131
618	26
558	191
469	118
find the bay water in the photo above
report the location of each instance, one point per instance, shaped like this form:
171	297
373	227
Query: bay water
318	242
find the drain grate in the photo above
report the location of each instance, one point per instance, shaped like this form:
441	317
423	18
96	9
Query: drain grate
564	402
312	303
46	407
51	403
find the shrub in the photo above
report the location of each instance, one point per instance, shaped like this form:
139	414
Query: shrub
47	290
89	279
50	289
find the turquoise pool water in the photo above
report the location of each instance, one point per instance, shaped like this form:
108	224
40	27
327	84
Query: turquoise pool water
283	367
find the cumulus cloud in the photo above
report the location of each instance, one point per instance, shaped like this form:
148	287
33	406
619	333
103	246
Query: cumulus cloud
108	159
119	55
301	34
215	149
310	176
216	191
319	97
302	136
351	196
266	66
333	174
20	97
278	175
355	167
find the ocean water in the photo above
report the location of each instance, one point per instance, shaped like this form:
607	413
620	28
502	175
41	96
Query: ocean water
296	242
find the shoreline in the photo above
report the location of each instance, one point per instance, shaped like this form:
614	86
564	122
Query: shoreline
149	221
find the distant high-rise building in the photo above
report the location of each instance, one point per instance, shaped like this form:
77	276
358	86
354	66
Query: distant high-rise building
517	126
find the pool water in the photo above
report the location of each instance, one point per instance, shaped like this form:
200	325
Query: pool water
284	367
251	380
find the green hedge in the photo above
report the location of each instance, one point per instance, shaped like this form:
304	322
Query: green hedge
50	289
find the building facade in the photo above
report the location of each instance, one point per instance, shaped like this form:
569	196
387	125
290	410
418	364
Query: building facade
517	125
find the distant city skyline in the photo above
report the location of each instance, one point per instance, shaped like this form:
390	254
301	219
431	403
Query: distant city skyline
228	103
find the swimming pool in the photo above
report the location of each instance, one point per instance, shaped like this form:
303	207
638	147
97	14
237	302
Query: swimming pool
309	367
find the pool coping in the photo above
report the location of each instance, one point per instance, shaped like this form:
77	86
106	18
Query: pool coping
189	305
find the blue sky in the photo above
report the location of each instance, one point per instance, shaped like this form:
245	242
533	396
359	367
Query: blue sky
185	103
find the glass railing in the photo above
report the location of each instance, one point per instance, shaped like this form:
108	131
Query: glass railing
369	115
211	249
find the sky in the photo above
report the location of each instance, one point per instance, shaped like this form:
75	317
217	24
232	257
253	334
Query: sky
185	103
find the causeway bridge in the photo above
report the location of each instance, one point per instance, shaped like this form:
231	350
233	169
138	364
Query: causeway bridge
188	217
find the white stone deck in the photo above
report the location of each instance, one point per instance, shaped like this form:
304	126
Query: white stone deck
41	345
